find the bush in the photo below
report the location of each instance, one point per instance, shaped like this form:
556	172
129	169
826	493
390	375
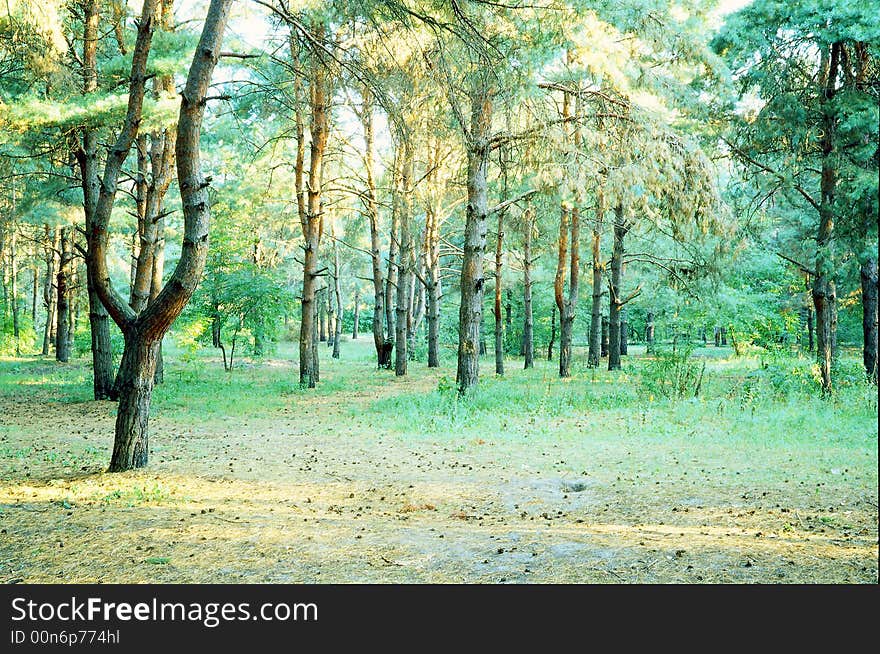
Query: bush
674	373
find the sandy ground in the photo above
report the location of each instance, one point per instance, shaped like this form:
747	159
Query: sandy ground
297	498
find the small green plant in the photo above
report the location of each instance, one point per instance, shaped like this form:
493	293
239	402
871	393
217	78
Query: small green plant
674	373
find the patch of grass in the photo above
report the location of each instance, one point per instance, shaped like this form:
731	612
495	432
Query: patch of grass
138	495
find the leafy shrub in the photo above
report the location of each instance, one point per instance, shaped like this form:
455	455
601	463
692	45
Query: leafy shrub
674	373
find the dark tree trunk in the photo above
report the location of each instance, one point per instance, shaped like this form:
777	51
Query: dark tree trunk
337	294
624	333
717	336
136	379
405	258
605	335
62	312
594	352
356	315
552	333
13	265
393	257
528	319
53	245
616	302
499	322
322	314
824	291
35	290
371	207
868	276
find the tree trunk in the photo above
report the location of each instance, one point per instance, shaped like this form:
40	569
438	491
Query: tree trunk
470	315
13	265
393	254
499	324
356	315
136	378
868	277
322	314
337	292
35	289
824	291
372	209
528	319
405	257
594	353
62	312
552	333
615	300
51	250
103	372
649	333
605	336
143	332
624	333
309	200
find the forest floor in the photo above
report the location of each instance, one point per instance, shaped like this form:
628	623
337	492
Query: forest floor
372	478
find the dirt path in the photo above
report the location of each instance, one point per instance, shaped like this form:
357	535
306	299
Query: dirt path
320	494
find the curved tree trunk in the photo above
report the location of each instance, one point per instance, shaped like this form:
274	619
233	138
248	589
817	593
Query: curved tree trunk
143	332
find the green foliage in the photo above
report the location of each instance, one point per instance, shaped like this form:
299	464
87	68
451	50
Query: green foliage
674	373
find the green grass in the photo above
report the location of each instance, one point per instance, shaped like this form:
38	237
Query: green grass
752	405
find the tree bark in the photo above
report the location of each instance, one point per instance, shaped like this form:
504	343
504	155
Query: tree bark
143	332
405	257
528	319
615	300
51	251
337	292
87	157
136	379
594	353
309	201
499	323
13	265
371	206
393	255
433	290
552	333
470	315
824	291
62	312
356	315
868	278
605	336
